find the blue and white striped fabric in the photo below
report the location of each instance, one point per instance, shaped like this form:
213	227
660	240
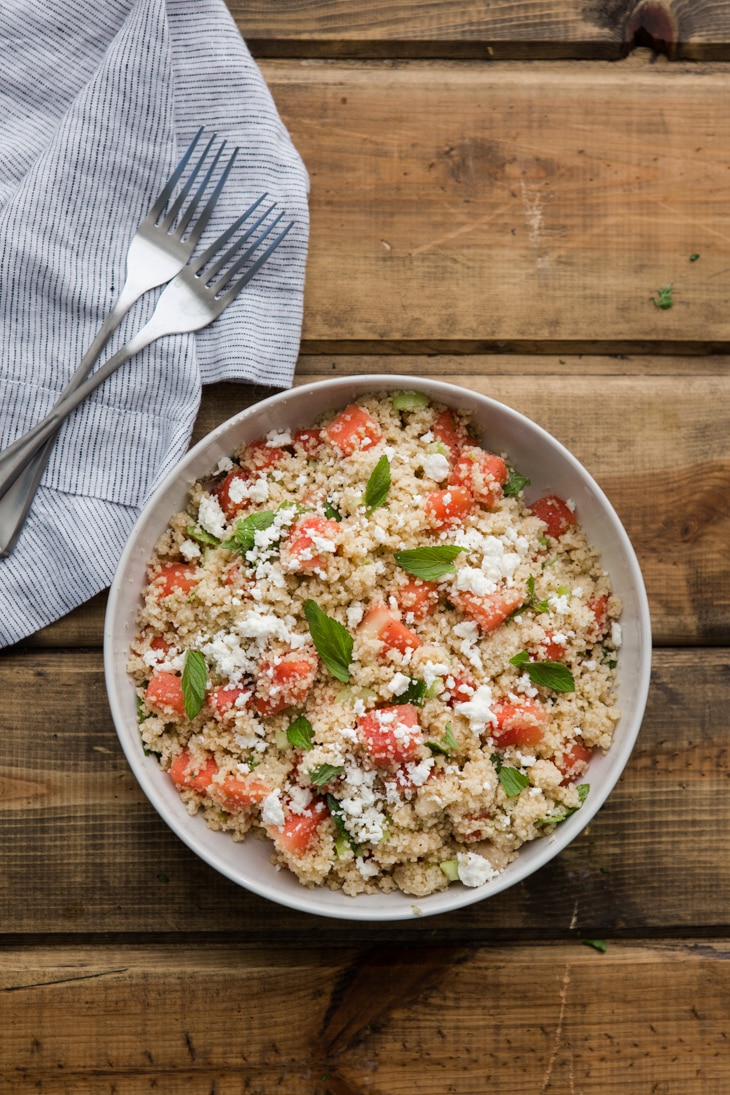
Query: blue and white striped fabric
98	102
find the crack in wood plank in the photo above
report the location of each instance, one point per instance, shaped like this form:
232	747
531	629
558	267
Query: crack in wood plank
557	1041
388	977
63	980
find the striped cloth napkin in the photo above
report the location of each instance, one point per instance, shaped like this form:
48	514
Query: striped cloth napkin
99	102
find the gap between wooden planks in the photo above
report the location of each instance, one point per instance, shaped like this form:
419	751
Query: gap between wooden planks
480	204
328	1021
83	850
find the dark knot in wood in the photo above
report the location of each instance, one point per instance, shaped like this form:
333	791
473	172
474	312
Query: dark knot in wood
654	26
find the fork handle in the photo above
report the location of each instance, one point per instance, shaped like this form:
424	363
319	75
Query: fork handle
17	497
17	456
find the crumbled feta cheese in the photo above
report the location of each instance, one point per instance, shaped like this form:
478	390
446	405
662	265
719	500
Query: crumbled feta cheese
474	870
259	490
153	657
524	685
436	466
367	867
277	438
224	464
558	603
616	637
211	516
256	624
473	580
323	543
434	671
299	798
398	684
190	550
478	709
227	656
238	490
355	613
419	773
244	741
272	811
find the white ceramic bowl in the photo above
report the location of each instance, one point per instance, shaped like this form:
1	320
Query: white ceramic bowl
550	467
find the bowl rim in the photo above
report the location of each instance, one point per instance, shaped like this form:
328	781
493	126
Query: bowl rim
375	907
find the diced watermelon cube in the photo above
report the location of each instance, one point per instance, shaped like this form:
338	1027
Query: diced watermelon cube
391	735
164	693
284	682
383	624
174	578
557	515
352	429
448	508
196	777
521	724
488	610
482	473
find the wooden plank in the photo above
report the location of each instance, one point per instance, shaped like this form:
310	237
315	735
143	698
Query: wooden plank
83	851
323	1021
644	433
462	204
482	29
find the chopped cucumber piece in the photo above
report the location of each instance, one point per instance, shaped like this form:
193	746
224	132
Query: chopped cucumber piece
409	401
450	867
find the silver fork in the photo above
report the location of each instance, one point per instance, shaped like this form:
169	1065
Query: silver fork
158	251
192	300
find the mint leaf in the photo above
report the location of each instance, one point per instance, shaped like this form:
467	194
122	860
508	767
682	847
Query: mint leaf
512	780
555	819
429	563
331	511
663	298
553	675
323	773
332	640
415	693
301	733
597	944
244	536
378	485
515	483
520	659
194	681
447	745
532	602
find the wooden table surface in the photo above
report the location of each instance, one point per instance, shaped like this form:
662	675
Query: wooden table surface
499	189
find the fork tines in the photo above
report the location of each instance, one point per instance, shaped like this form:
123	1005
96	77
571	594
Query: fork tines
167	220
222	288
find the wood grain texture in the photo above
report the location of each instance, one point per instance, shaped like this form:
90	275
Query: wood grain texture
463	204
218	1019
482	29
645	432
84	852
